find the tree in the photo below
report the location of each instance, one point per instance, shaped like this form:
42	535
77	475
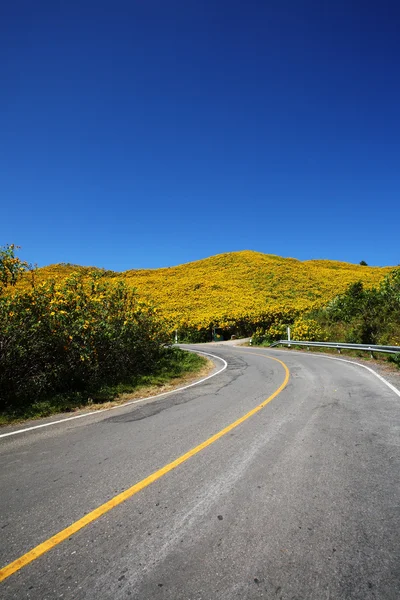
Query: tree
11	267
363	263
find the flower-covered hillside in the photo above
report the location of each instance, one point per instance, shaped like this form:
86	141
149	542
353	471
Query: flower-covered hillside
236	290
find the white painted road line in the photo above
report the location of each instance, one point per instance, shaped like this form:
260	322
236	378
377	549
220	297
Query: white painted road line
351	362
385	381
129	403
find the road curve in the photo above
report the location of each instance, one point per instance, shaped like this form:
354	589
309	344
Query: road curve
297	501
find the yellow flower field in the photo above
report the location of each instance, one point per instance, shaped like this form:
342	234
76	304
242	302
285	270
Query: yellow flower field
236	288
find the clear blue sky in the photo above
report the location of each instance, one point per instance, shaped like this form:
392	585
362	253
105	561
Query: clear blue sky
151	133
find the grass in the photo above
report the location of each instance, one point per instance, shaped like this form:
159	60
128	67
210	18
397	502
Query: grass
176	368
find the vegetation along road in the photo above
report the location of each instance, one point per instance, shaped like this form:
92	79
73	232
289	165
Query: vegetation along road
278	478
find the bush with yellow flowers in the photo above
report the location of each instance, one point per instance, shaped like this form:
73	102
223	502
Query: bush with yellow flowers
308	330
74	335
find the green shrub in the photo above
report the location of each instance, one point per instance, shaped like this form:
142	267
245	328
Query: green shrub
74	336
395	358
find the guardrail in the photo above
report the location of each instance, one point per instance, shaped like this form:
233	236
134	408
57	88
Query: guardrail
340	346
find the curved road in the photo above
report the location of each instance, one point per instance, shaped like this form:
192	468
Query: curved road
298	501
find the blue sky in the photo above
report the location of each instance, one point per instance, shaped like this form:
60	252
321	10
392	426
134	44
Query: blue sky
143	134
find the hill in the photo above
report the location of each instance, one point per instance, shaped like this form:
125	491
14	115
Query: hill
236	290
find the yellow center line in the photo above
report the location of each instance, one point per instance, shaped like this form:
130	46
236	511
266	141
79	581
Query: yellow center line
66	533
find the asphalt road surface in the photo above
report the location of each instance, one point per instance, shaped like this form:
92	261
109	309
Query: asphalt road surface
298	501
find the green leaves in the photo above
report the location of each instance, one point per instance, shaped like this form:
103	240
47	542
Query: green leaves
368	316
74	336
11	267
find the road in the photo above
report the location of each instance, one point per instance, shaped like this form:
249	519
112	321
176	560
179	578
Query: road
297	501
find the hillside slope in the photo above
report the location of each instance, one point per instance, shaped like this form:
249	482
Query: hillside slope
237	288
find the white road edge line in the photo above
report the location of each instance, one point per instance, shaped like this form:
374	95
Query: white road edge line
353	362
96	412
